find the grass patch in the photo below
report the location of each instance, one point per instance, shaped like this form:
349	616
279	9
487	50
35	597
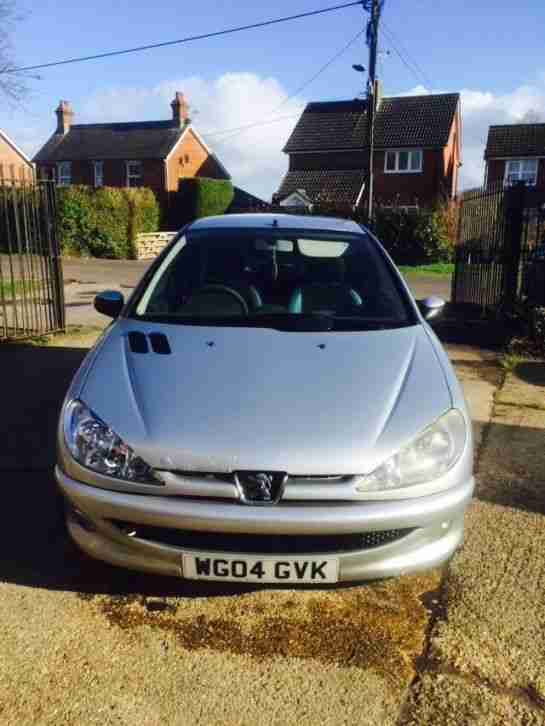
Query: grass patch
436	269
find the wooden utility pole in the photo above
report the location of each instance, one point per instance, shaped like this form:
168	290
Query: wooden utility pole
374	7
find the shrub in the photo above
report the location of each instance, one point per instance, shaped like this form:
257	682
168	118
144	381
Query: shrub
201	197
104	222
416	237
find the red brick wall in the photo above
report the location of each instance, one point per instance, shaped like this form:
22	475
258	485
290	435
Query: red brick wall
190	159
114	173
421	188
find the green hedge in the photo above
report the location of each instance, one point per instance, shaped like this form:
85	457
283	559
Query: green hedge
417	237
201	197
104	222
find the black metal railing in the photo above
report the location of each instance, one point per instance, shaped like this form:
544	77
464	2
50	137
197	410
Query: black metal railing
31	282
499	229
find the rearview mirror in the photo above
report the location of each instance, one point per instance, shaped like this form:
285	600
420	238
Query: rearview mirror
110	303
432	307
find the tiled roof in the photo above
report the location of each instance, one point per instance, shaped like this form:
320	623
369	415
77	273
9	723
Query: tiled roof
516	140
342	186
143	140
400	121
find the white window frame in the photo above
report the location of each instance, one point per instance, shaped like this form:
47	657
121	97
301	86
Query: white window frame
98	170
408	170
512	177
64	173
130	175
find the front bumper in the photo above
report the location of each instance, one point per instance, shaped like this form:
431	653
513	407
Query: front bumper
437	521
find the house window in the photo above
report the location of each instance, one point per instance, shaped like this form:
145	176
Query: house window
64	173
134	173
517	170
403	162
99	173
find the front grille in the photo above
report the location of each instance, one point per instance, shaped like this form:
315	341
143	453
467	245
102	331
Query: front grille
263	544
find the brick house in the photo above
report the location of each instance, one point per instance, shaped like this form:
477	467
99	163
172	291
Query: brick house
416	152
515	153
154	154
14	163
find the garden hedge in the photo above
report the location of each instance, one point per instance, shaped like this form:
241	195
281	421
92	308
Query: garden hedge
104	222
202	197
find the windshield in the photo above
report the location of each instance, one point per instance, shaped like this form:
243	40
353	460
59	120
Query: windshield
298	281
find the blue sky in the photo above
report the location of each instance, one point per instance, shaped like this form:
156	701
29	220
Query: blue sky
492	52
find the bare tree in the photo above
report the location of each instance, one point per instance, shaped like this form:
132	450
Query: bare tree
13	85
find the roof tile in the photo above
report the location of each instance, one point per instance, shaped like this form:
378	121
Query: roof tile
401	121
515	140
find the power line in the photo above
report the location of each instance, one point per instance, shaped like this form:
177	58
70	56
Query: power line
234	132
322	69
189	39
405	57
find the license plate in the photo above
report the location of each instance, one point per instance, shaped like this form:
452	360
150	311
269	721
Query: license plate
240	568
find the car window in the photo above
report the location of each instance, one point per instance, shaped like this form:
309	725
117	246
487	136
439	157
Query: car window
246	277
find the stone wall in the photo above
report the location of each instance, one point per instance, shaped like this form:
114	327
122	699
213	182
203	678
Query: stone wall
149	245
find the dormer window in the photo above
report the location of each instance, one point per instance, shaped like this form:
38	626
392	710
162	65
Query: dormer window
520	170
405	161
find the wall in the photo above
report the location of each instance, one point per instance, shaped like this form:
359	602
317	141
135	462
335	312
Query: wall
190	159
148	246
12	165
422	188
114	173
404	189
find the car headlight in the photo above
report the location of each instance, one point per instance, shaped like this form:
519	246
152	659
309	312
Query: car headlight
95	445
430	455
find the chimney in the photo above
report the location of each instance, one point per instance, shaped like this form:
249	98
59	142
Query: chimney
377	93
65	116
180	110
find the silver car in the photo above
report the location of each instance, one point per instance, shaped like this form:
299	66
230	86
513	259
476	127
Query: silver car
270	406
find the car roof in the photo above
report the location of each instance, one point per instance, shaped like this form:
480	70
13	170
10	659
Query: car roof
280	221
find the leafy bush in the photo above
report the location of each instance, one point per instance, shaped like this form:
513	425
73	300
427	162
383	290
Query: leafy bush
416	237
201	197
104	222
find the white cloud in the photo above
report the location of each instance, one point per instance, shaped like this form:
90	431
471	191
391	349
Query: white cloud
254	155
221	110
481	109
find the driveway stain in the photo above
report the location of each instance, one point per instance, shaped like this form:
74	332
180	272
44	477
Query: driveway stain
381	626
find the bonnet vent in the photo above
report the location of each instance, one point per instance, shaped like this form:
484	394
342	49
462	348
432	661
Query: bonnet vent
138	343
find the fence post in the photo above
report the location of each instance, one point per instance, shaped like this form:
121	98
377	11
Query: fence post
514	224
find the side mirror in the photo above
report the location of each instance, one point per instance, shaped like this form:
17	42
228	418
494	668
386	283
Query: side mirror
432	307
110	303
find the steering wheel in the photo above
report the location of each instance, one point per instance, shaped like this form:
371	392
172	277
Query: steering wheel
217	288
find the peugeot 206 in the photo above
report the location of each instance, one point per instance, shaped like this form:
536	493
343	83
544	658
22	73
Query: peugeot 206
271	405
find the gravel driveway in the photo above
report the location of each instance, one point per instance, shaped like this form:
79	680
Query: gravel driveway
86	643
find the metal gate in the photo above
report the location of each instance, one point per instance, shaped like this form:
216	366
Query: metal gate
31	283
499	232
